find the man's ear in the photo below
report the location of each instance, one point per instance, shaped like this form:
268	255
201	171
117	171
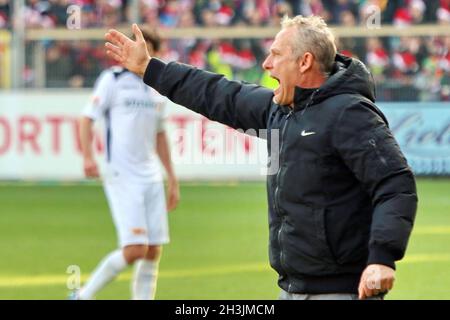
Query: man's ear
305	62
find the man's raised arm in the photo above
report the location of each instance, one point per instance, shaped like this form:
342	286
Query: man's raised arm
238	105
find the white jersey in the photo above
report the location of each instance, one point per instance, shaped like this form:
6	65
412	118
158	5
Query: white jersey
133	115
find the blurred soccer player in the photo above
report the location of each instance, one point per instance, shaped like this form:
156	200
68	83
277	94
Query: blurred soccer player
133	182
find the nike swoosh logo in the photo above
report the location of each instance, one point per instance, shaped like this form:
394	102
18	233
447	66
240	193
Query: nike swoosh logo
304	133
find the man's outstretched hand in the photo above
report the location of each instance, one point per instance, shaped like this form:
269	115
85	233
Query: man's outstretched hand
132	55
376	279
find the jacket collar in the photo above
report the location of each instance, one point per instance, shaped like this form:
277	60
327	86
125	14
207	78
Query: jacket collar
303	97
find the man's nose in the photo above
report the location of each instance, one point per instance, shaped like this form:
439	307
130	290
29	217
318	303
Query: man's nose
266	64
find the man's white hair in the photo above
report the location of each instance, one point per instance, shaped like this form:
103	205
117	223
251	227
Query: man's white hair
314	36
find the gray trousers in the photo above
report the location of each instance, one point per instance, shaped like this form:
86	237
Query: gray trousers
328	296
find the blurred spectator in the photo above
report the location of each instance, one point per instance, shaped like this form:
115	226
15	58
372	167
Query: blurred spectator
417	9
257	12
149	8
315	7
427	82
91	57
377	58
58	11
58	66
208	18
409	12
343	11
36	14
216	12
186	20
216	61
347	18
281	9
167	53
405	58
443	12
4	13
110	14
350	46
170	13
429	15
444	67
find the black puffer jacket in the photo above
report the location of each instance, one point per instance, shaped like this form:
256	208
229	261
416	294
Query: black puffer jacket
343	196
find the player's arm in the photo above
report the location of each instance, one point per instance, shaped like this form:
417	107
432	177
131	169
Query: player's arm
163	151
238	105
86	138
369	149
94	110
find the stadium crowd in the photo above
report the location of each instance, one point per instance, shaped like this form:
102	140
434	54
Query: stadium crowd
180	13
398	64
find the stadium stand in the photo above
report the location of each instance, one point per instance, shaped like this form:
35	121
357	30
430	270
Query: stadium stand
406	68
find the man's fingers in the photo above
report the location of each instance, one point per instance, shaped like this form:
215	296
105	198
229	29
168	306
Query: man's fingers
110	38
114	49
138	33
116	37
375	280
169	204
388	284
114	55
362	282
384	284
365	289
91	174
367	292
172	203
91	171
361	294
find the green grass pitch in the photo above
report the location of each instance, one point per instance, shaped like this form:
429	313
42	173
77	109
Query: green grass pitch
218	248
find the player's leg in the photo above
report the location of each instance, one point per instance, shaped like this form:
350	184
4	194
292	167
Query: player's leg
134	252
104	273
146	274
110	267
146	270
127	208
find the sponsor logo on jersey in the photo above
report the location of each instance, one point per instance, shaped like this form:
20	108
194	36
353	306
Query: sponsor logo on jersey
138	103
138	231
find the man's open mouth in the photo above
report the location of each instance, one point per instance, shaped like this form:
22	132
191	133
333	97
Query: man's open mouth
278	80
277	89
